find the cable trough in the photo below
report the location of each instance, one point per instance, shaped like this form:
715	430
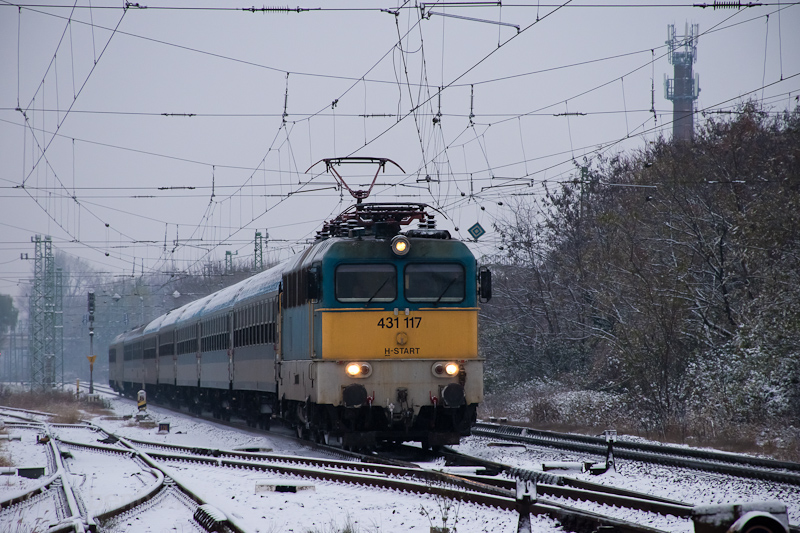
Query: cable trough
708	461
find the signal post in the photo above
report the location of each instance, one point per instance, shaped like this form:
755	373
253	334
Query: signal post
91	357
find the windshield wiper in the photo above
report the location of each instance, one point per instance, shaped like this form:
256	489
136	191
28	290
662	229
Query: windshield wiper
453	280
377	291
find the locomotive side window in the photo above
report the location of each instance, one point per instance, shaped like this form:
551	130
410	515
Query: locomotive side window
434	282
366	283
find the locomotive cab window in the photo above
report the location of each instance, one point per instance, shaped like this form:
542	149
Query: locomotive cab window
366	283
435	283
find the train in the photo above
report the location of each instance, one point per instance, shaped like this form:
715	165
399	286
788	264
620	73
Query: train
368	335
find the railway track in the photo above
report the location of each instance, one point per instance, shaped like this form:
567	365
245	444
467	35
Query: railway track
72	513
487	489
704	460
55	492
527	492
475	490
491	491
155	457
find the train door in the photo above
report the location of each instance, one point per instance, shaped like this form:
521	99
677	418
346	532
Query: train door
198	354
278	343
231	351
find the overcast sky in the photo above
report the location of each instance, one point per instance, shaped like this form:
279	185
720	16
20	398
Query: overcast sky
160	138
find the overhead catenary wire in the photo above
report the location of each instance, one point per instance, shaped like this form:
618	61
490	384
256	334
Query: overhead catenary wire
782	5
517	116
61	122
377	8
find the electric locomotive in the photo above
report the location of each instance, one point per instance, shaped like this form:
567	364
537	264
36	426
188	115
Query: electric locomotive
368	335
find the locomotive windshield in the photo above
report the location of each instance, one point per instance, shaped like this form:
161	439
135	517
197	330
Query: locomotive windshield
434	282
366	283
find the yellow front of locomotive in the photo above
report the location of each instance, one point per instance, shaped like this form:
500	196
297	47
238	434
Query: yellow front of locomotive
397	338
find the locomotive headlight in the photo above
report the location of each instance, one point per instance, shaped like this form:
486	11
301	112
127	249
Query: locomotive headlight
358	370
400	245
444	369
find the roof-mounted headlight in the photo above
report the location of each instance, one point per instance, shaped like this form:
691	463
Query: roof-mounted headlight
400	245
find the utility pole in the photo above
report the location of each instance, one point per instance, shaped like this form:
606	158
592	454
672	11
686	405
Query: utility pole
91	357
682	90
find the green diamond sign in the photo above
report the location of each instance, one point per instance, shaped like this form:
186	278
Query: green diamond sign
476	231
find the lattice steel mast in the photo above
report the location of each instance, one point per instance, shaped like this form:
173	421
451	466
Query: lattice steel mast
258	253
46	344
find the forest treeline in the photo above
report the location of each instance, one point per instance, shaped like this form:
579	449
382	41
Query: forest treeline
666	282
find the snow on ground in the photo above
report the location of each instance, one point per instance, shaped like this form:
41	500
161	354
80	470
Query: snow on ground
105	480
326	505
168	511
22	453
77	433
34	515
185	430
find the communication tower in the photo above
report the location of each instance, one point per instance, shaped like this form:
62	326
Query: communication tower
46	341
682	90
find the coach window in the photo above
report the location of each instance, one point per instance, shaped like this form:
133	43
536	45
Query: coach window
434	283
366	283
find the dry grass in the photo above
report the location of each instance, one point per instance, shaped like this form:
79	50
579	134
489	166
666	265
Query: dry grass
64	407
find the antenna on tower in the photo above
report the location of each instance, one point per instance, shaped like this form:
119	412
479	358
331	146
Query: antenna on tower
682	90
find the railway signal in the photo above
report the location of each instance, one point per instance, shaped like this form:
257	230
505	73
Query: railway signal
91	357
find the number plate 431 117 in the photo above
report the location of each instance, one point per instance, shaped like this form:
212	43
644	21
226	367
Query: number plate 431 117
406	322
